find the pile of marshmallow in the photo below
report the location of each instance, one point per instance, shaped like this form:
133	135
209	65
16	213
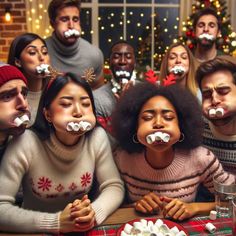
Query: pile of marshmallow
81	126
177	70
218	112
22	120
71	32
149	228
158	136
123	73
43	69
206	36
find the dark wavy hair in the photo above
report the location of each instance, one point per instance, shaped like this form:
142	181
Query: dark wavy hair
18	45
41	126
125	116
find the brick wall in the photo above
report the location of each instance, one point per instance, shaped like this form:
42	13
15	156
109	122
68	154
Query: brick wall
9	30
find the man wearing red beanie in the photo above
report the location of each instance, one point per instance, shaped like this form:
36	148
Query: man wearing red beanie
14	109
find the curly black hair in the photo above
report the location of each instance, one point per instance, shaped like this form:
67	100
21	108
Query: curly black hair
125	115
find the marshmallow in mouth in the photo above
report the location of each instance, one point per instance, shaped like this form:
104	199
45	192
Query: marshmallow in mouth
71	32
21	120
158	136
177	70
218	112
206	36
43	69
82	126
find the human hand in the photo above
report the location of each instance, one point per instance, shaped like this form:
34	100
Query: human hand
177	209
83	214
125	87
149	204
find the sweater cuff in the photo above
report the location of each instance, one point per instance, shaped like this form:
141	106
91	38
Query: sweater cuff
50	223
99	214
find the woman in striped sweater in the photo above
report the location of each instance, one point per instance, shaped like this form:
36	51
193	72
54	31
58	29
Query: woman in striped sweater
161	161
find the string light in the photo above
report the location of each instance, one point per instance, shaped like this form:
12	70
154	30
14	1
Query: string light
8	16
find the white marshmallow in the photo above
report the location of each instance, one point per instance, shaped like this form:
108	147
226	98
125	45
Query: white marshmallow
210	227
18	122
71	32
159	223
212	112
213	215
174	230
128	227
114	90
144	222
177	69
219	112
165	137
124	81
164	229
85	126
151	138
76	127
123	233
206	36
25	119
70	126
43	69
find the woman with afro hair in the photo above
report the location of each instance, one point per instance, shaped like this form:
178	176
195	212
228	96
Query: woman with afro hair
161	160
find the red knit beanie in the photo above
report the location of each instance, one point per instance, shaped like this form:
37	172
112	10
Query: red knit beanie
8	72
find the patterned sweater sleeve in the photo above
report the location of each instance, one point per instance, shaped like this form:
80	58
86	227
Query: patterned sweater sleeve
14	166
111	189
211	167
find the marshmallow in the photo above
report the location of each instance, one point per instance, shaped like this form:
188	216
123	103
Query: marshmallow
123	233
210	227
76	127
124	81
85	126
71	32
18	122
212	112
159	223
206	36
165	137
157	136
177	70
82	125
219	112
213	215
151	138
128	228
70	126
174	230
181	233
43	69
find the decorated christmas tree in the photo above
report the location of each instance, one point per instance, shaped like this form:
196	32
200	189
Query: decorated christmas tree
226	43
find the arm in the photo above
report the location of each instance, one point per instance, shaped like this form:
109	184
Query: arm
111	189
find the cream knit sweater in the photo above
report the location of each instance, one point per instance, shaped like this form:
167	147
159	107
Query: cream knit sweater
53	175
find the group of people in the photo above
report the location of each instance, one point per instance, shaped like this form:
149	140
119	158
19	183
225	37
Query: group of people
77	148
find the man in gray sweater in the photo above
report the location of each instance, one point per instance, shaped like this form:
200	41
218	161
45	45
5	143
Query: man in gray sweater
68	51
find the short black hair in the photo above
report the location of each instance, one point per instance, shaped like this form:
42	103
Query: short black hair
223	62
203	12
41	126
125	115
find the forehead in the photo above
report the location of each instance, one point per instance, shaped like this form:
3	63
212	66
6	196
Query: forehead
207	18
178	49
122	48
68	11
36	42
11	84
158	102
221	77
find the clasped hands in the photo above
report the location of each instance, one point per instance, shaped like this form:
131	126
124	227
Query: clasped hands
170	207
78	216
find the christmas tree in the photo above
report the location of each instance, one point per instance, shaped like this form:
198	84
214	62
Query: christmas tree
226	43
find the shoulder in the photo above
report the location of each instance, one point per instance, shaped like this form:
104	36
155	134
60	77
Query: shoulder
98	136
85	45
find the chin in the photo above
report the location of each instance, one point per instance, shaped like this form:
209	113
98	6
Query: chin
221	122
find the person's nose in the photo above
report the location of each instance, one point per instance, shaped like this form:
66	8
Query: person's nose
158	123
205	28
215	99
178	60
21	103
70	24
77	111
41	57
123	60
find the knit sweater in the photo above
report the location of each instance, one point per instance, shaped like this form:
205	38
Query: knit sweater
178	180
53	175
75	58
33	99
223	146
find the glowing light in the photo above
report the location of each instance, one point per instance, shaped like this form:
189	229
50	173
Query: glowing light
147	27
175	40
91	32
131	36
99	18
177	18
40	5
138	24
233	43
165	30
131	13
112	25
102	27
184	28
121	22
109	40
121	37
142	15
165	19
175	27
140	38
33	10
128	21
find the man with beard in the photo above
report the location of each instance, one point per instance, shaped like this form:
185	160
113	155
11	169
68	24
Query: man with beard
206	25
68	51
122	63
217	81
14	110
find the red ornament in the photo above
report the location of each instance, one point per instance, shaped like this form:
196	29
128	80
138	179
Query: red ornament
151	77
188	33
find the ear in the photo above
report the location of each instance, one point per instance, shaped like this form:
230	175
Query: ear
47	115
17	62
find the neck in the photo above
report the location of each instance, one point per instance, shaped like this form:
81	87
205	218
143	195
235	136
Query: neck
205	54
227	129
3	138
35	84
159	160
67	140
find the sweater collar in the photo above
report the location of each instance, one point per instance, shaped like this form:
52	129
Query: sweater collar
65	50
63	153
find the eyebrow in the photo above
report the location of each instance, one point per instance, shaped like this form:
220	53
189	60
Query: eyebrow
162	111
71	97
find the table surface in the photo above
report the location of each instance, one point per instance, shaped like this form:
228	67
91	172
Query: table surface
195	226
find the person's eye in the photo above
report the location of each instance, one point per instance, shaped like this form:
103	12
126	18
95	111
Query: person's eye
64	104
32	53
169	117
64	19
86	104
147	117
200	25
207	94
223	90
24	93
45	51
7	97
76	19
172	57
185	56
212	25
116	55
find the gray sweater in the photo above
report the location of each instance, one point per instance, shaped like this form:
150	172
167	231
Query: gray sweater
75	58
